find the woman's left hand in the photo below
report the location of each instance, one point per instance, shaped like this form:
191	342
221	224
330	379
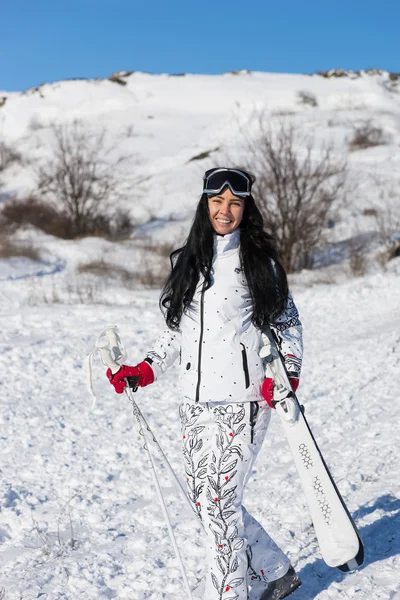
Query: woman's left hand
267	389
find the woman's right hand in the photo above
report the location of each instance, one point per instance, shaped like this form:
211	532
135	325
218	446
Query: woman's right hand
267	389
141	374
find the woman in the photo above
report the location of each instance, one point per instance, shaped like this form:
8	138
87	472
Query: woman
225	287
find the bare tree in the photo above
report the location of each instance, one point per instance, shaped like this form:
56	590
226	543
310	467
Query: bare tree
80	178
297	187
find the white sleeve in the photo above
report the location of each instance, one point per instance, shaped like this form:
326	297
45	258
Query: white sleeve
289	333
164	352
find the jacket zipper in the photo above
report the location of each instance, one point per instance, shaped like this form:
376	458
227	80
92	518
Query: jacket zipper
200	342
245	366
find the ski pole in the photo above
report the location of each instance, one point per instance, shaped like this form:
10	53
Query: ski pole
141	421
112	354
137	412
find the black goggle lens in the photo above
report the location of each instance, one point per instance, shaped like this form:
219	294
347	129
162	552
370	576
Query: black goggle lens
238	181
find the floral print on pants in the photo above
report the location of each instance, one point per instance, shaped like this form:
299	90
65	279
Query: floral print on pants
220	444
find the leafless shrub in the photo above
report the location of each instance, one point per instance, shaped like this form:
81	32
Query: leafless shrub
307	98
329	276
88	292
358	259
387	217
382	258
283	112
336	122
388	221
370	212
11	249
153	273
119	226
366	135
8	155
80	181
31	211
101	268
18	212
53	290
162	249
66	509
2	594
297	188
155	263
116	225
53	545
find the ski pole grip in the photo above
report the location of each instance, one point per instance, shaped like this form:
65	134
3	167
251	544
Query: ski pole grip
108	361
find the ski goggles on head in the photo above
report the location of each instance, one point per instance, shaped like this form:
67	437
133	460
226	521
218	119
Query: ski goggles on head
238	182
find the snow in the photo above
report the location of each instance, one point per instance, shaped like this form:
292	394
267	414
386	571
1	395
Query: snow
79	517
70	473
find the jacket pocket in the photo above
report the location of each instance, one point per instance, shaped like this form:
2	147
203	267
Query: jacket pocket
254	408
245	366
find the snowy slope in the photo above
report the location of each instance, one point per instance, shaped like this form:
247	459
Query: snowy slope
73	474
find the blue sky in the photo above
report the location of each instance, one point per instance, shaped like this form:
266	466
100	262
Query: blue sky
43	40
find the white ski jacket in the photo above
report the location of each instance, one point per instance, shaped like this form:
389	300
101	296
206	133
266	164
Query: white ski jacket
217	343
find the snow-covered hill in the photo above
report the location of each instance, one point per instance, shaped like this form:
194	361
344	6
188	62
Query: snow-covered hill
78	514
172	128
164	121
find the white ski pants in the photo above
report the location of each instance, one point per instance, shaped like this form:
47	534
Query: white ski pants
220	444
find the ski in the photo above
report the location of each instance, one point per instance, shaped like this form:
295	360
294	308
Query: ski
338	537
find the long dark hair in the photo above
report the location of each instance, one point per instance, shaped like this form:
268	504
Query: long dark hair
264	273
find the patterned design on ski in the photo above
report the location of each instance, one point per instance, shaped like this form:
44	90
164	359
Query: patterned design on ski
322	500
305	456
337	538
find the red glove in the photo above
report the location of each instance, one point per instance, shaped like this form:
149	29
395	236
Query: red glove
267	389
143	372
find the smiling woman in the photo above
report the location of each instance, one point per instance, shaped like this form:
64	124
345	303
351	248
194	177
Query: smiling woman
226	212
225	287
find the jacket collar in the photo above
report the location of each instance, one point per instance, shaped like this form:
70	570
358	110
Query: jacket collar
225	245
